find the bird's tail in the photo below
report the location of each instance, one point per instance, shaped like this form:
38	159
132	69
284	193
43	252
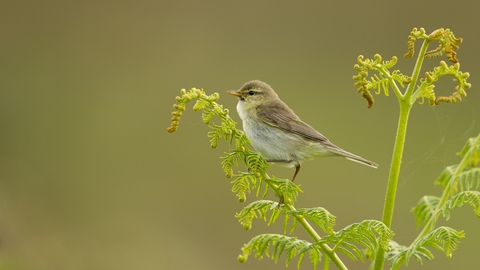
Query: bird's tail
339	151
362	161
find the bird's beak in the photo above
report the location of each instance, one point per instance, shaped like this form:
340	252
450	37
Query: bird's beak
234	93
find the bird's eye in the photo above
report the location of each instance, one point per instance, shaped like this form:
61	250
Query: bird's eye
251	93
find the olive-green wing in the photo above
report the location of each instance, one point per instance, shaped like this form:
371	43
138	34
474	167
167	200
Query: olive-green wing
284	118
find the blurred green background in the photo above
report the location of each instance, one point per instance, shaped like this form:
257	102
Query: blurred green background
90	179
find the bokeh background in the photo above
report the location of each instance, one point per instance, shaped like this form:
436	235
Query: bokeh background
90	179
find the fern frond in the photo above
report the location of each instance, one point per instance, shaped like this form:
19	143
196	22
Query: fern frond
207	115
243	184
209	107
400	78
378	82
201	104
382	81
444	179
468	180
470	197
425	209
231	160
391	63
363	234
471	151
258	209
426	88
395	254
444	239
362	83
422	253
318	215
414	35
459	184
285	188
180	107
435	52
352	251
215	134
281	244
240	140
255	162
460	77
448	43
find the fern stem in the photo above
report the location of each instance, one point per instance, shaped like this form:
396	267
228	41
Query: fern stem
311	231
395	165
405	106
416	71
392	83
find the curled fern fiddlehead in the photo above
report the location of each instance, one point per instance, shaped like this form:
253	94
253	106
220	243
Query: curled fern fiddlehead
385	79
379	82
414	35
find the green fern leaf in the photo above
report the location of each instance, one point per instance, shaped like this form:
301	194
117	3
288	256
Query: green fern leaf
290	246
470	145
215	135
469	179
472	151
243	184
466	180
318	215
471	197
363	234
422	253
207	115
240	140
230	160
258	209
396	254
346	248
443	238
201	104
255	162
286	188
425	90
446	176
425	209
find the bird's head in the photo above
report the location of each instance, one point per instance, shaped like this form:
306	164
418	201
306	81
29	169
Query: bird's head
254	93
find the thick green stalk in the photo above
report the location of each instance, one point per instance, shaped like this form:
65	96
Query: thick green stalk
396	164
405	106
393	176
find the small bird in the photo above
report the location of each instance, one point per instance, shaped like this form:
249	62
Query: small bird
278	133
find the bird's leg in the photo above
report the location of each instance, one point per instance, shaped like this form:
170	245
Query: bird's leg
297	169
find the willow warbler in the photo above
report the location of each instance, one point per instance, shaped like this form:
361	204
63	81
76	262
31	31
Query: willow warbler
278	133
